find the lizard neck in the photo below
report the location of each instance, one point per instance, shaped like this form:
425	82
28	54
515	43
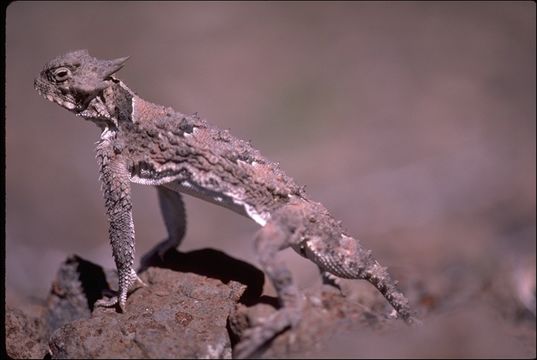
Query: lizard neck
127	108
119	102
112	107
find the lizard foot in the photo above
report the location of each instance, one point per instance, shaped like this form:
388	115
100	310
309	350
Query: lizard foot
257	338
332	281
107	302
121	299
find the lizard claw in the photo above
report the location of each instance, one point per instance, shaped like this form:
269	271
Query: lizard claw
120	299
250	344
107	302
113	301
332	281
414	321
140	281
254	340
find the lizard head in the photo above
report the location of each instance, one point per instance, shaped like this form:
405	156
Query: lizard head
75	80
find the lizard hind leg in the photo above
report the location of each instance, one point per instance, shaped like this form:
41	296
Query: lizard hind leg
173	212
269	241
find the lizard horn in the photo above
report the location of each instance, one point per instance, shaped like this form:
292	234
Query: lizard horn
115	65
119	61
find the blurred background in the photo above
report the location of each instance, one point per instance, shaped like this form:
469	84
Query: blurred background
414	123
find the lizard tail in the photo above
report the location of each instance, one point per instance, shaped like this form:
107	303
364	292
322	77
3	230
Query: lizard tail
379	277
354	262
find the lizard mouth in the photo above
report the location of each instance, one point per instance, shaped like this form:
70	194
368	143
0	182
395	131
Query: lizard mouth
63	102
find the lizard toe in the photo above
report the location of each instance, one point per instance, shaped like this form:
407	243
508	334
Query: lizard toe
107	302
140	281
254	340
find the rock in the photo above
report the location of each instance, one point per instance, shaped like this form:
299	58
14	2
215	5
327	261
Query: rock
195	306
325	314
78	284
25	333
179	315
217	265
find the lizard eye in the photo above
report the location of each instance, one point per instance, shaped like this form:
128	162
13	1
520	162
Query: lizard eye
61	74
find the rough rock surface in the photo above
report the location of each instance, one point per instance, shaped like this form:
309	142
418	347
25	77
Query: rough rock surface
25	333
326	313
72	292
77	286
178	315
195	306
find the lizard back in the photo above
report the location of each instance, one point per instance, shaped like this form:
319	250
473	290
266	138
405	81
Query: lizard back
186	154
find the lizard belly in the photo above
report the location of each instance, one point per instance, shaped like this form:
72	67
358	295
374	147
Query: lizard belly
218	198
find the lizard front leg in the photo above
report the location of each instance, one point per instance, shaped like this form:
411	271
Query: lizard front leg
173	212
271	239
115	184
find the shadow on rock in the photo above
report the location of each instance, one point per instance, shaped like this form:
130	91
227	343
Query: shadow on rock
217	265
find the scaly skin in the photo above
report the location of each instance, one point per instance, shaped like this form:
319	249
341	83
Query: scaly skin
150	144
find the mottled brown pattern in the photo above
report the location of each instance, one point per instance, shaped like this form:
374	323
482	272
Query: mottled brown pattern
154	145
156	139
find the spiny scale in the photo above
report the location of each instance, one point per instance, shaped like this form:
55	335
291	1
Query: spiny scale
155	145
